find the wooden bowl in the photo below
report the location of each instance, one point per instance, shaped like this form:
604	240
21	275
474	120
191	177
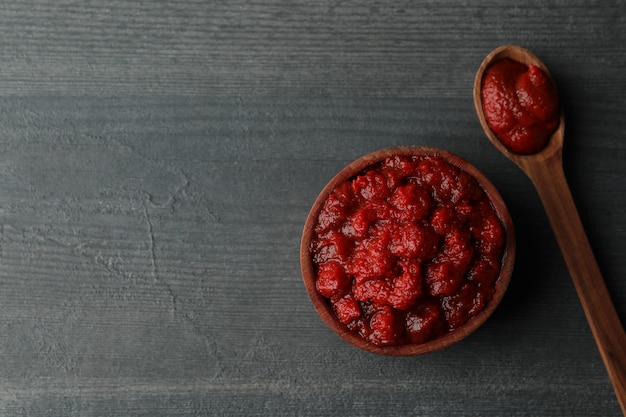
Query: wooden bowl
322	305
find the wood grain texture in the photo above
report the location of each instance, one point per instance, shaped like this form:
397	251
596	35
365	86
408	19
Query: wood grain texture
284	47
158	160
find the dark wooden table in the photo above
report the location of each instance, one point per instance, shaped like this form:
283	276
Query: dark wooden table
157	163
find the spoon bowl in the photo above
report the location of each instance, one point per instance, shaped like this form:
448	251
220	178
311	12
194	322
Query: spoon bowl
545	169
554	146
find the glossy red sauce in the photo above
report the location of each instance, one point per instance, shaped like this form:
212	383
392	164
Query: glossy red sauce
408	250
521	105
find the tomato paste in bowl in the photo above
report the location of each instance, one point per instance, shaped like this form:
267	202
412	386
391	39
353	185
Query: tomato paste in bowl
407	250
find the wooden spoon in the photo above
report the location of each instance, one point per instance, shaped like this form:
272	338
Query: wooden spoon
545	169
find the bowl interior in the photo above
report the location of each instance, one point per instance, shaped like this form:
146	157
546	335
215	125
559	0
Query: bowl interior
320	302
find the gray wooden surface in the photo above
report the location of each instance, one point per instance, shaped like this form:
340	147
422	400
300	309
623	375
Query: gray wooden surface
157	162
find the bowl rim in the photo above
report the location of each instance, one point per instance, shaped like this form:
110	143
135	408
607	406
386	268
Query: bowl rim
354	168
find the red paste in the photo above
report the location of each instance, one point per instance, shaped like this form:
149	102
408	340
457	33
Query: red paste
521	105
408	250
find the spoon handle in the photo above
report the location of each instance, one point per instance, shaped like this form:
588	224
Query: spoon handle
549	179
